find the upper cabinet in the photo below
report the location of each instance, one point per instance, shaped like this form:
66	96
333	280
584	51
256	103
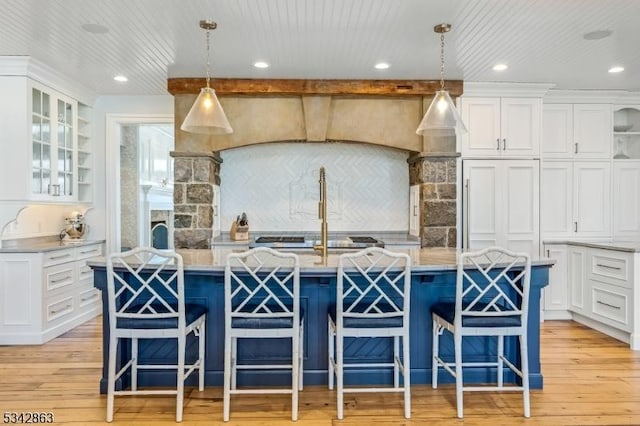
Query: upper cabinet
501	127
576	131
626	132
41	154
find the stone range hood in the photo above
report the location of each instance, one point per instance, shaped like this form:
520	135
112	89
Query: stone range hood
381	112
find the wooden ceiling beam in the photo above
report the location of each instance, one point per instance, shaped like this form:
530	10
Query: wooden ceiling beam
244	86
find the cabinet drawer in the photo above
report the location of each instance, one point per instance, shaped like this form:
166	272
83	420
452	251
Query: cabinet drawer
57	257
89	297
86	252
612	267
58	277
85	273
611	306
59	309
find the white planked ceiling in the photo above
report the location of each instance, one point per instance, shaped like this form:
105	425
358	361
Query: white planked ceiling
151	40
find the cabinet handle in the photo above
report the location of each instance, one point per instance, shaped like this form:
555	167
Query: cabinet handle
60	310
617	268
498	146
504	144
92	297
60	256
609	305
548	253
575	226
215	211
576	147
87	251
415	210
59	280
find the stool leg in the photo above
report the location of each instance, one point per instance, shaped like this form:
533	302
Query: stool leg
457	337
435	342
295	372
500	368
134	364
339	374
301	356
234	362
180	376
331	354
201	355
396	357
524	368
406	375
111	376
227	377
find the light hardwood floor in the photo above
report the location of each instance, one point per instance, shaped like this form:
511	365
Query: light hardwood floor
590	379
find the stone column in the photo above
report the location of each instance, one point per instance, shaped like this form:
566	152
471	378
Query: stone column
195	174
436	175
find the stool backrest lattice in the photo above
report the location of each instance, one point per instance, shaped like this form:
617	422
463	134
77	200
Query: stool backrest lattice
146	284
493	282
373	284
262	283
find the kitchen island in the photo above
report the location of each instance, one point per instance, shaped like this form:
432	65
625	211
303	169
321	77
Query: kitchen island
433	278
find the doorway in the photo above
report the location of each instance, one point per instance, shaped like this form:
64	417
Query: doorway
140	181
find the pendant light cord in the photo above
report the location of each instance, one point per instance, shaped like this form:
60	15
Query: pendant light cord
441	61
208	46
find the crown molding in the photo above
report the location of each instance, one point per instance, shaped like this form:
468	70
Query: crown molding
27	66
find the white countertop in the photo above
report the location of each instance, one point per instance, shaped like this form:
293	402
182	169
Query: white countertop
627	246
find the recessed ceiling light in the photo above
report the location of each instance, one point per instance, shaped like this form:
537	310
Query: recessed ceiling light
261	64
616	69
597	35
95	28
381	66
120	78
500	67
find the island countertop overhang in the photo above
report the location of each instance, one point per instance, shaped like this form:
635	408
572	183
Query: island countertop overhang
423	260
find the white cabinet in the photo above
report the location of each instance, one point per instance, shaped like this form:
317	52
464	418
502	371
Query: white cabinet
576	275
556	294
501	127
414	210
40	157
575	199
46	294
626	200
216	210
576	131
501	204
602	290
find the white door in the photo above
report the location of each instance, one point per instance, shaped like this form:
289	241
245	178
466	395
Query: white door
577	279
626	199
556	294
557	131
520	205
556	189
592	199
592	131
520	126
482	216
482	118
501	204
414	210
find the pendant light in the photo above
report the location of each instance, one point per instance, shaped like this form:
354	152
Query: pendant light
206	115
442	117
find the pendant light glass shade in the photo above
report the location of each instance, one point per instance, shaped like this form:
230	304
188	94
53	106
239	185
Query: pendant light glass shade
206	115
442	117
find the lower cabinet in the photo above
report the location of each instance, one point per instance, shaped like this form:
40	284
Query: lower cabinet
602	290
556	294
46	294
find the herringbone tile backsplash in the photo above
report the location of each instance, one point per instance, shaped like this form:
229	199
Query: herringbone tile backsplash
276	184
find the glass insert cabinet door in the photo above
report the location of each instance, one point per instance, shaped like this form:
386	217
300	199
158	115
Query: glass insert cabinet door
53	144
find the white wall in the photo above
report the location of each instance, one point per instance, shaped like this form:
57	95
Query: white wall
276	184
